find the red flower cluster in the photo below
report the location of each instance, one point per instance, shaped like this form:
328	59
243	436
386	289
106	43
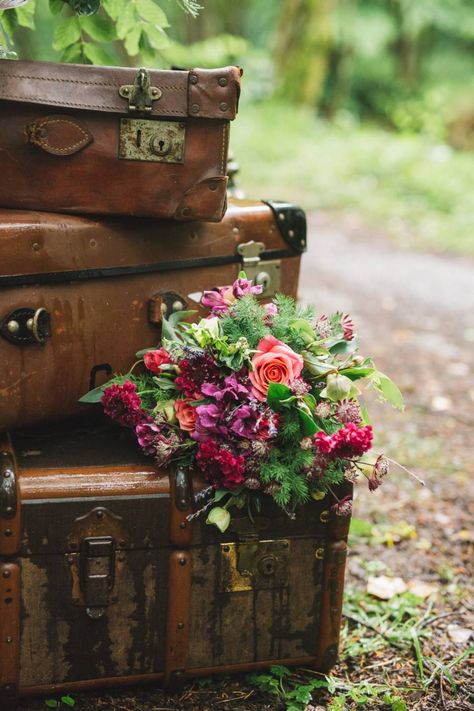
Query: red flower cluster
219	466
122	404
194	373
349	441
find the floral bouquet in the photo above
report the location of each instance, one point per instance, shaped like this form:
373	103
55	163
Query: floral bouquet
262	399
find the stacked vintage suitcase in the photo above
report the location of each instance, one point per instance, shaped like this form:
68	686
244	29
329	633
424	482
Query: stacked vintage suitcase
104	579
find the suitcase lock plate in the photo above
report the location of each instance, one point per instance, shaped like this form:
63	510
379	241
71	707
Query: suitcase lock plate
151	140
96	559
254	565
25	325
265	273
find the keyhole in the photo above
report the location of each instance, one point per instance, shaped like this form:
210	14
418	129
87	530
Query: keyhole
263	279
139	138
160	146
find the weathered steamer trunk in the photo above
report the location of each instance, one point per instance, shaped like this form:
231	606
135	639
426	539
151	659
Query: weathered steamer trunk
105	581
114	141
80	296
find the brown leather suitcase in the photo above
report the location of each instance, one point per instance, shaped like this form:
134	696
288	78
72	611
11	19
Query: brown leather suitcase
105	581
110	140
79	297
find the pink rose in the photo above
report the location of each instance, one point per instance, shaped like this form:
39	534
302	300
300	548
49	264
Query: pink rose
153	359
186	415
274	363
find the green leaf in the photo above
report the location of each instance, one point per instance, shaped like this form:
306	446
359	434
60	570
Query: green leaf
219	517
360	527
280	671
26	15
51	703
152	13
67	32
99	28
68	701
96	54
84	7
220	494
132	40
178	316
156	37
310	401
387	389
126	20
316	366
356	372
276	393
140	354
342	347
309	425
55	6
115	8
95	395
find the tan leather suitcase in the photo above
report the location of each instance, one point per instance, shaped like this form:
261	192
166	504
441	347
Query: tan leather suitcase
110	140
105	581
80	296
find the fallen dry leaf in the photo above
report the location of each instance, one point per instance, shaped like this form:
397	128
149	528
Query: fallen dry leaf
384	588
422	589
460	635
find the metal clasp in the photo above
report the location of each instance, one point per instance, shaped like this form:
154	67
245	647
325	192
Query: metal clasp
140	94
97	573
254	565
8	491
25	325
266	273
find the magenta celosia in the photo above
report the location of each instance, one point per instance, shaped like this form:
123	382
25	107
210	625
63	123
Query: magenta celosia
349	441
220	466
122	404
195	370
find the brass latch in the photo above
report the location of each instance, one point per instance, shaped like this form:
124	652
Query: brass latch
140	94
97	573
265	273
254	565
8	487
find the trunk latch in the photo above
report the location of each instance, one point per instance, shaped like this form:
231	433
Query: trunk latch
97	572
254	565
265	273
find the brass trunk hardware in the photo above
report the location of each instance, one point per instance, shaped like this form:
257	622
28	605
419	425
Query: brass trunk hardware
254	565
140	94
8	493
266	273
26	325
182	490
164	303
152	140
96	557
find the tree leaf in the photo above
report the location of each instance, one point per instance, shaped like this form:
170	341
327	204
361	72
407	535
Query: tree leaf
276	393
68	701
26	15
99	28
96	54
152	13
51	703
55	6
132	40
67	32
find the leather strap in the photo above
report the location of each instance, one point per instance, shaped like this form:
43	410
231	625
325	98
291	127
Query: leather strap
59	135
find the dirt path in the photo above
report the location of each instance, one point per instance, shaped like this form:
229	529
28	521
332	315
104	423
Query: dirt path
416	316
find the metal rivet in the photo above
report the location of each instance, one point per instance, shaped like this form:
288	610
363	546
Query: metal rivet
7	532
9	640
319	553
163	308
70	559
178	306
195	108
9	509
182	561
181	625
186	211
281	216
324	517
7	474
223	81
193	79
302	242
92	243
226	549
36	246
6	573
291	233
121	543
212	185
99	514
223	106
29	324
13	326
182	524
235	230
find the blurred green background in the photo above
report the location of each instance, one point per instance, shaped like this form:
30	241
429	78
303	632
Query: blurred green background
364	108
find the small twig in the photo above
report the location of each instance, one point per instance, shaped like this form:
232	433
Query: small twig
393	461
437	617
441	689
243	697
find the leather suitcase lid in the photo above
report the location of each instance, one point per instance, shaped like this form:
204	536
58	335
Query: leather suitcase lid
200	93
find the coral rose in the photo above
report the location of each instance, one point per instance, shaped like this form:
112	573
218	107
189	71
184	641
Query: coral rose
153	359
186	415
274	363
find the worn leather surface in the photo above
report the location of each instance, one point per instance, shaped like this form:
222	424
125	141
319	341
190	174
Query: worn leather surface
73	114
98	324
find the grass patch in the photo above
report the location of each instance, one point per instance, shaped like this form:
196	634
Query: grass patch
418	192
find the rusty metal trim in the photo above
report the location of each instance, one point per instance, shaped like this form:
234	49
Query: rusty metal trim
181	506
9	634
10	521
177	627
331	605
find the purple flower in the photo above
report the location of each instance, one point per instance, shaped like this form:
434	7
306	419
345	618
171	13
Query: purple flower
242	287
157	444
220	299
254	421
233	390
210	421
